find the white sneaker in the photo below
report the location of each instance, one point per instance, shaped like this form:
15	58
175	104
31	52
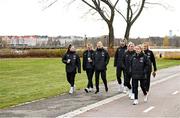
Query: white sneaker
130	93
120	88
71	90
132	96
125	89
135	102
74	88
146	98
90	89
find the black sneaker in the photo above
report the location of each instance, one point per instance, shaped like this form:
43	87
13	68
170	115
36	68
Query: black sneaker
106	89
86	90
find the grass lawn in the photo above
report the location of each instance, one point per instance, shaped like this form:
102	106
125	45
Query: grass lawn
27	79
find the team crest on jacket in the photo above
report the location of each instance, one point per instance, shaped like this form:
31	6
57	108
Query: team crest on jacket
74	56
148	54
103	54
141	59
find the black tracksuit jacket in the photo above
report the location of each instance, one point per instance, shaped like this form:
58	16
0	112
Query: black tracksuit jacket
75	63
101	59
139	66
150	55
127	60
86	64
118	58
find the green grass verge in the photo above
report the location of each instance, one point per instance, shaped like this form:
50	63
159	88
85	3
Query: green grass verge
27	79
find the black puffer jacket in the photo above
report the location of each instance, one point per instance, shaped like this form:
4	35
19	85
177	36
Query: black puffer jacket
101	59
139	66
88	54
74	64
118	58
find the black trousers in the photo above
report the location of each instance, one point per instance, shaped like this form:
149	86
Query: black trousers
71	78
89	73
103	76
119	70
135	86
127	81
148	80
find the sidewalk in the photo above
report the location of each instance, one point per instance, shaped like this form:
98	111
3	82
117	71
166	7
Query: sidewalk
61	104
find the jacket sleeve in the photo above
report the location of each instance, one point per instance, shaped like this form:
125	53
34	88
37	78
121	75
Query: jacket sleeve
130	67
153	61
84	61
107	58
115	58
78	64
64	60
93	59
124	62
147	64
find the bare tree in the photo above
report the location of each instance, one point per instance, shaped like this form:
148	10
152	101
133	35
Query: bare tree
134	10
106	9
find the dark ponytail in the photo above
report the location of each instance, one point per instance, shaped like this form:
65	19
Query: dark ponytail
69	47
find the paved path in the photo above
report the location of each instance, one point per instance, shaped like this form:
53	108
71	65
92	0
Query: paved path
59	105
164	101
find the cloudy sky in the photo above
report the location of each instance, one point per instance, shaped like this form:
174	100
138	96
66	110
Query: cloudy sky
27	17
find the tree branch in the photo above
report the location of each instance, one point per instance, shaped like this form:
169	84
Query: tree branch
140	10
121	14
89	4
151	3
49	5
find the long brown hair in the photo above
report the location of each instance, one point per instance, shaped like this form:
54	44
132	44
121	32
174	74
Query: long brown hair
68	49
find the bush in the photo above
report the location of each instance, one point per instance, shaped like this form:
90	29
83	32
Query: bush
172	55
11	53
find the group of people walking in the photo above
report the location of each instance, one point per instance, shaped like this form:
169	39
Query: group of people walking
135	62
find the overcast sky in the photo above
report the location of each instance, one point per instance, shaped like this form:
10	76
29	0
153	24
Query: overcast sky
27	17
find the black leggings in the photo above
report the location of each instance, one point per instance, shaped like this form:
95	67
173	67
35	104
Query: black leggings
118	74
71	78
147	83
90	73
135	86
103	76
127	81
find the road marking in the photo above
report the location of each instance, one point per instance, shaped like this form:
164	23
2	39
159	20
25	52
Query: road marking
89	107
105	101
148	109
176	92
165	79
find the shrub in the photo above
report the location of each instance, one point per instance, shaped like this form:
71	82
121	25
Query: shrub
172	55
11	53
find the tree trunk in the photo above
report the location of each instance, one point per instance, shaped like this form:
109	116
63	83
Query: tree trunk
127	33
111	36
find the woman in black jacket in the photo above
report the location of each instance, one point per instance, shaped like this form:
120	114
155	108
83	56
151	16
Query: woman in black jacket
126	65
88	66
72	61
139	67
100	61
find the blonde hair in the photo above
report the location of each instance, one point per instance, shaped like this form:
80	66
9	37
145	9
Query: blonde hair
89	45
140	46
100	44
130	43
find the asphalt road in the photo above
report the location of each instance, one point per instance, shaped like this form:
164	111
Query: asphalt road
162	102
